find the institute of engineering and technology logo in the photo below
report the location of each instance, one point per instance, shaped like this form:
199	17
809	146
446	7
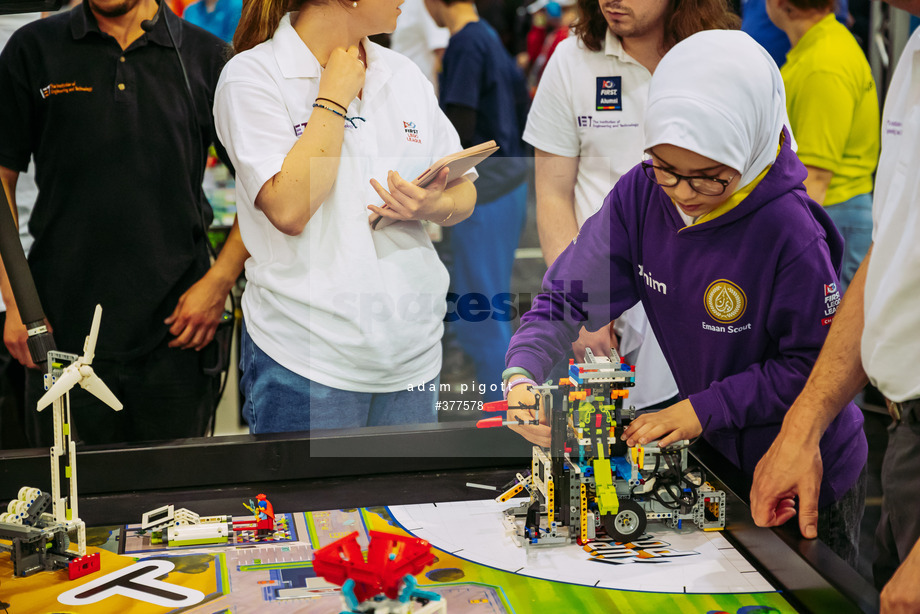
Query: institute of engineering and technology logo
54	89
725	301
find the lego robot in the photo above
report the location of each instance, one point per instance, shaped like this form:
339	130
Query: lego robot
589	483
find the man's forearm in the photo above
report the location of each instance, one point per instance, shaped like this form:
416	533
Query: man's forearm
556	221
8	179
229	264
838	374
556	227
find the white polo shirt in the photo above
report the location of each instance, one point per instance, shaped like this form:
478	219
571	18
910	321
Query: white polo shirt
340	304
590	105
891	334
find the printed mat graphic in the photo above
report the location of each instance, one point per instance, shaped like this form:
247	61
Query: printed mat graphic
477	570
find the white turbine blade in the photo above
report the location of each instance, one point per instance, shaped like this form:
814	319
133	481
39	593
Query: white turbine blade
96	387
62	386
89	346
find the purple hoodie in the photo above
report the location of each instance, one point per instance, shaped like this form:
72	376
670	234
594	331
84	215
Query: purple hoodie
741	305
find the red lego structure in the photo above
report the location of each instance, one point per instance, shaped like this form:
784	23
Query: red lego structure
391	562
83	566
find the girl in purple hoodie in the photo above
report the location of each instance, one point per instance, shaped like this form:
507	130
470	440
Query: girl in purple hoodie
735	265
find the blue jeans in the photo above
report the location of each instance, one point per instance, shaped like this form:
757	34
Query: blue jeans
279	400
483	253
853	218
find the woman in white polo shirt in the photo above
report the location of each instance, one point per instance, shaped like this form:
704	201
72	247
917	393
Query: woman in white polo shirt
342	323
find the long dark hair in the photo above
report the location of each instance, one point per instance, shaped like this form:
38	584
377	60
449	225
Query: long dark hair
682	18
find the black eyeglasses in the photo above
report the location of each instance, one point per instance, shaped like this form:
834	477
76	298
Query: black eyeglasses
707	186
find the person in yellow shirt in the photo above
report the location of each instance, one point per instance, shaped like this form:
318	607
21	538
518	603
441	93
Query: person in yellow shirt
834	112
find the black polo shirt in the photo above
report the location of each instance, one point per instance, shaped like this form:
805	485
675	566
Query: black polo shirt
119	159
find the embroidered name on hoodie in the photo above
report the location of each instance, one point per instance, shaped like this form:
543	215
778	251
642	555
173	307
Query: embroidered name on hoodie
651	282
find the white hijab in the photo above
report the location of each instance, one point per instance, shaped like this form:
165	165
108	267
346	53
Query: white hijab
719	94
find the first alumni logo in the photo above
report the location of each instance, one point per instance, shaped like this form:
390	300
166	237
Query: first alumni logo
609	95
724	301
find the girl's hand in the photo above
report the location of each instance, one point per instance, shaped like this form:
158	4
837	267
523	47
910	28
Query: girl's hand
538	434
343	77
403	200
670	424
600	342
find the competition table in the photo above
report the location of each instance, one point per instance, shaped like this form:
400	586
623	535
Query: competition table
365	468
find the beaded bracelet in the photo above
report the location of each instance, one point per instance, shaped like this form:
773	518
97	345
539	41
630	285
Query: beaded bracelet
338	104
351	120
506	388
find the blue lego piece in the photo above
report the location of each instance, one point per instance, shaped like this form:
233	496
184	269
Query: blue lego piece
406	593
348	593
622	468
574	375
411	591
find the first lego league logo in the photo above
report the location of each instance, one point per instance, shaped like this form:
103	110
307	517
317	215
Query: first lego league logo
831	301
411	130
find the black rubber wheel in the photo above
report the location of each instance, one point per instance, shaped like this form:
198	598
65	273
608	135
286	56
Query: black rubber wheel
628	523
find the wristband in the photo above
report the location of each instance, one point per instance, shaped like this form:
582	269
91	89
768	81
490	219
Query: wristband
338	104
506	388
351	120
516	371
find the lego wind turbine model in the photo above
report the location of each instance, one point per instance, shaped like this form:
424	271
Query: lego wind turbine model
63	453
81	372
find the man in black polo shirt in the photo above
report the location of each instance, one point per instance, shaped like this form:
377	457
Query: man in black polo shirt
120	145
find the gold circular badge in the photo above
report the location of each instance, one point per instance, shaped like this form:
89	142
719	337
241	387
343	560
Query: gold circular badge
725	302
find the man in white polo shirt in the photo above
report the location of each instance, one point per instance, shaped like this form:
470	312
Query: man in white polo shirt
586	128
875	339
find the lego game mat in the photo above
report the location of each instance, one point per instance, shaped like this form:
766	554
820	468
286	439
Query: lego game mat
477	570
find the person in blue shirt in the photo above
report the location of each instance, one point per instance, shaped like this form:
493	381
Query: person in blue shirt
219	17
755	22
483	93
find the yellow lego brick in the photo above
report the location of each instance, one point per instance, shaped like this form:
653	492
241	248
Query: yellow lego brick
606	492
511	492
